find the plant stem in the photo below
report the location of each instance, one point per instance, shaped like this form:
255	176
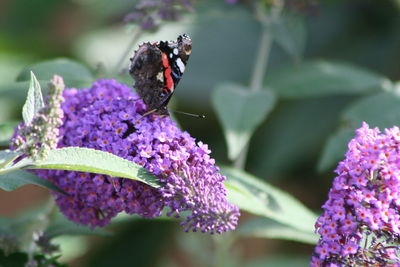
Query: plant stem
119	65
42	222
240	161
261	61
262	56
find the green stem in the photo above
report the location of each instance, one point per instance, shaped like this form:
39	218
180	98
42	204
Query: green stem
25	163
42	222
15	167
240	161
264	47
256	82
261	61
120	63
262	57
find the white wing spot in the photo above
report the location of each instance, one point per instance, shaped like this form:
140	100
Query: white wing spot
171	55
160	76
180	65
175	51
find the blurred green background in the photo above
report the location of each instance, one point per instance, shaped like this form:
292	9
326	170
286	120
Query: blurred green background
330	70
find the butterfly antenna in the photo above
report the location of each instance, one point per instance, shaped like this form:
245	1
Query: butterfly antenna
147	113
190	114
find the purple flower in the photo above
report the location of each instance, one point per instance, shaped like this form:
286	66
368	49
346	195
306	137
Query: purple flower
106	117
360	223
150	14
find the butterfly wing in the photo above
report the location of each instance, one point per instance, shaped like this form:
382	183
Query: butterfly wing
174	58
147	71
157	69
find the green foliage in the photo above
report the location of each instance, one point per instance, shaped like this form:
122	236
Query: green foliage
290	33
21	259
13	180
34	100
6	132
16	92
240	112
16	234
380	110
11	64
324	78
6	156
61	226
334	149
73	73
151	239
16	259
291	141
44	261
90	160
267	228
259	198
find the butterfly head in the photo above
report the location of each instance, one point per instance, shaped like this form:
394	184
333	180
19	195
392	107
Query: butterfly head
184	46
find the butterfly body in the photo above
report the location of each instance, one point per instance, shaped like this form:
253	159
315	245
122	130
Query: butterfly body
157	69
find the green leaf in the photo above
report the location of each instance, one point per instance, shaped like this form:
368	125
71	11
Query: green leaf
73	73
43	260
6	132
240	112
34	100
255	196
294	136
334	149
290	33
18	90
267	228
72	247
17	259
6	156
12	180
91	160
380	110
12	98
62	226
321	78
11	64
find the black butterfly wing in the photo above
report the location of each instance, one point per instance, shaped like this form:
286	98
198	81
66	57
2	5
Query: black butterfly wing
157	69
147	70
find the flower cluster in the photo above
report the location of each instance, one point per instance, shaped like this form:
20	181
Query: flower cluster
107	117
360	225
149	14
35	139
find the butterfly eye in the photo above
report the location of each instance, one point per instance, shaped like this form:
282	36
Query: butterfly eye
188	49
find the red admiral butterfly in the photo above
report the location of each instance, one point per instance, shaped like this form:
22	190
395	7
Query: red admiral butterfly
157	69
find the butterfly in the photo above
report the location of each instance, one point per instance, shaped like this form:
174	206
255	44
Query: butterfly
157	69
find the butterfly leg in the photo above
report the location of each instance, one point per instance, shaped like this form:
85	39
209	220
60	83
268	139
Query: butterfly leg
147	113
